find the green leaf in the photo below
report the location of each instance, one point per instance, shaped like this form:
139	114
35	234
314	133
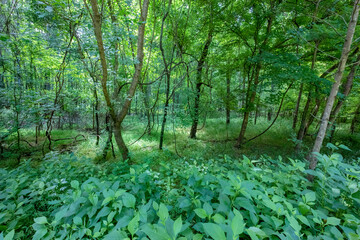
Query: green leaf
200	212
332	221
41	220
74	184
310	197
163	212
129	200
303	208
177	226
134	224
77	220
155	232
294	223
39	234
304	220
218	218
10	235
344	147
114	235
237	224
254	232
106	201
208	208
214	231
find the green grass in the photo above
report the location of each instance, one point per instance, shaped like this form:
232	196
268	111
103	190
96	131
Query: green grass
213	140
32	150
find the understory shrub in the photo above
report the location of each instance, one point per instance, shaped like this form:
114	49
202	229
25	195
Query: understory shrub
222	199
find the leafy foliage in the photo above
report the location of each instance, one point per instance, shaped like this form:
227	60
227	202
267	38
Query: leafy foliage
68	198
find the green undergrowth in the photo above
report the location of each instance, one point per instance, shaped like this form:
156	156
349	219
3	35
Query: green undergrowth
63	141
67	197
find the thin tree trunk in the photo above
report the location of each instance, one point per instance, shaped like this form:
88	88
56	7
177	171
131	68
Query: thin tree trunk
296	113
304	119
355	120
200	66
228	82
250	103
335	88
118	118
346	90
167	80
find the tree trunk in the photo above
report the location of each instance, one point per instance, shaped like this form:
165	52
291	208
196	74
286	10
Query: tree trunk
167	80
304	119
335	88
118	118
301	131
200	66
355	120
249	105
346	90
228	82
296	113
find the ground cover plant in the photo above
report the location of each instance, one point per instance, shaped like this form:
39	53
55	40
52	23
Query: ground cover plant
221	198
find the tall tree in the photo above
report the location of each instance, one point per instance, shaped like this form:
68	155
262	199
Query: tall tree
335	87
119	116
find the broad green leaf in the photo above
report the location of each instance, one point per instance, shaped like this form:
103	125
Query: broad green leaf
39	234
77	220
208	208
10	235
310	197
303	208
128	200
134	224
74	184
41	220
218	218
332	221
200	212
177	226
114	235
214	231
163	212
237	224
255	232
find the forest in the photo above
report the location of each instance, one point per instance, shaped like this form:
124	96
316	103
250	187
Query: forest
179	119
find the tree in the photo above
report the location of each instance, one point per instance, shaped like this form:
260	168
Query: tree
118	117
335	88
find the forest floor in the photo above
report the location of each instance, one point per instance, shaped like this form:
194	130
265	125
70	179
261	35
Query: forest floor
215	139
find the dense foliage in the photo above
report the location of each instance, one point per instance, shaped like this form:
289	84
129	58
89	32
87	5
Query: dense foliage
69	198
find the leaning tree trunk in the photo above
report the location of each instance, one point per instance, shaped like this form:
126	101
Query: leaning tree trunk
346	90
335	88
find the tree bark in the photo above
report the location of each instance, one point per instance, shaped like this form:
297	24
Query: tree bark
335	88
200	66
346	90
118	118
167	80
355	120
296	113
228	82
252	92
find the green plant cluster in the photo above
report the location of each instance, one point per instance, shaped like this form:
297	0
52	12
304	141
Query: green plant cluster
222	199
